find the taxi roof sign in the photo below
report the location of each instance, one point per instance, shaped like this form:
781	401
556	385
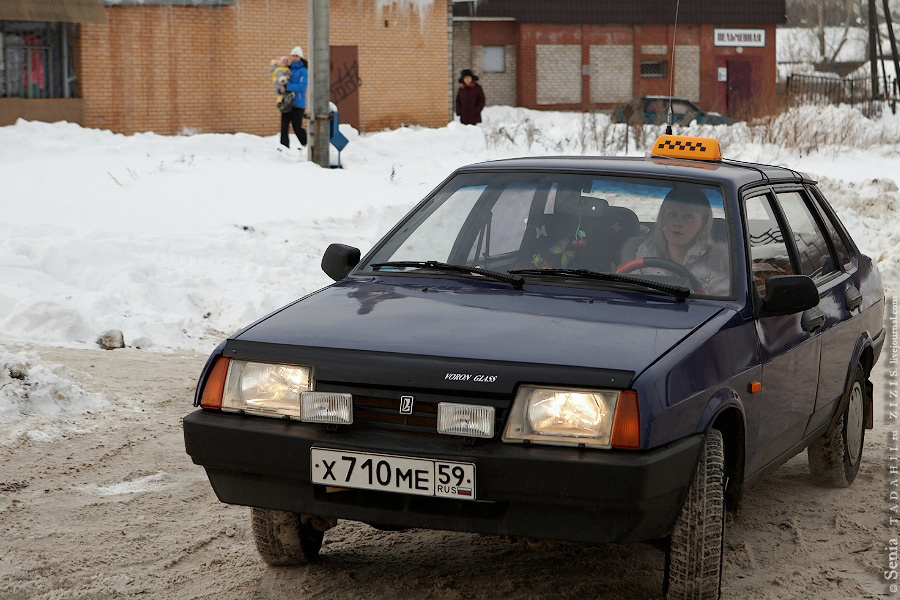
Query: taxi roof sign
682	146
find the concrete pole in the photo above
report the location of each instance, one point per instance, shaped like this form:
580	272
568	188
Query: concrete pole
320	80
890	27
873	49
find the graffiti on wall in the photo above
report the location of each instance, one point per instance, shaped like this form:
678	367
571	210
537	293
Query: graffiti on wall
346	83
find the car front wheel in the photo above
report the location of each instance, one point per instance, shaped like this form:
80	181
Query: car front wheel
694	557
835	457
282	538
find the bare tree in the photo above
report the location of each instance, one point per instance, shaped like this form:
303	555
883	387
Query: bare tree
818	15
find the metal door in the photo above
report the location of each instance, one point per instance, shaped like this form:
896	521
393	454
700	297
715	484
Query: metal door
740	86
345	82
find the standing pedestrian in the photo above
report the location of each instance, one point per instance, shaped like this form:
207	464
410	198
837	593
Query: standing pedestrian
469	98
297	85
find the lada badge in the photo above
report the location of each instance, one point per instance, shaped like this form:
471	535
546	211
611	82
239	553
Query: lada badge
406	405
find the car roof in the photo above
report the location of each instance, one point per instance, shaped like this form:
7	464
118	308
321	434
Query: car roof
732	172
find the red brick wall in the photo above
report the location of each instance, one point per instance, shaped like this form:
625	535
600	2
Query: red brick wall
495	33
712	92
168	68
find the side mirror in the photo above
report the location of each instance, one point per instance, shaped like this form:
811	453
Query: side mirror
339	260
789	294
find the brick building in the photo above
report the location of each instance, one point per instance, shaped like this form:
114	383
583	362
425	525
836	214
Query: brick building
202	65
583	54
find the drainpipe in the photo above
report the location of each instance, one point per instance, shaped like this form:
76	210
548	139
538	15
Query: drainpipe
65	61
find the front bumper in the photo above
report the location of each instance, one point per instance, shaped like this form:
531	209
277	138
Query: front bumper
573	494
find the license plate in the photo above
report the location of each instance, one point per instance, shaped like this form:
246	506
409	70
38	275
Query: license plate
399	474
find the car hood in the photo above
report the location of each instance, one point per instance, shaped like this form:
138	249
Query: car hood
462	327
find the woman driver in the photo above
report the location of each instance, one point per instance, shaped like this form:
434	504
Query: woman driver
683	234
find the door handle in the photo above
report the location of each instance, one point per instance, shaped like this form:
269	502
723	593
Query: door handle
852	297
812	319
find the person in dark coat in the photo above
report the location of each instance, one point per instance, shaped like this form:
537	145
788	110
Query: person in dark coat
469	98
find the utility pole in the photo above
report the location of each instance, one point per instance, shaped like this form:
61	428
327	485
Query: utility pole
873	48
320	79
890	27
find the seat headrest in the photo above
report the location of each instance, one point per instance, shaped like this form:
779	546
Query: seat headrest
623	221
583	206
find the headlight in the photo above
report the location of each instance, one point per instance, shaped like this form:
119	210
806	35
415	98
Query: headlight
266	389
562	417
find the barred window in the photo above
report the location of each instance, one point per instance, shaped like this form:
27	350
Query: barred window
653	69
37	60
493	59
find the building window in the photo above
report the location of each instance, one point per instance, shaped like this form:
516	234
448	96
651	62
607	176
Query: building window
653	69
36	60
493	59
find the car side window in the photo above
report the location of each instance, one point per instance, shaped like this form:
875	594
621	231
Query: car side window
768	252
845	256
508	219
815	257
682	108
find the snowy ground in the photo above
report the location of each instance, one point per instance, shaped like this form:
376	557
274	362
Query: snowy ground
178	241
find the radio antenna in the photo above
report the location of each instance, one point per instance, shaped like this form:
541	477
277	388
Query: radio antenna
672	77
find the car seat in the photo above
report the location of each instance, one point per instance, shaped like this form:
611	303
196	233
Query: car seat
606	239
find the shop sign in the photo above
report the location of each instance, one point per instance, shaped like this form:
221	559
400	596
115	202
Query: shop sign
748	38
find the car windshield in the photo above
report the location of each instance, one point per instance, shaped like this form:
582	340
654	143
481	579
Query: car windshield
557	227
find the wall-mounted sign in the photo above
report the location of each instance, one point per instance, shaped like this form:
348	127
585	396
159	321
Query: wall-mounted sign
748	38
723	73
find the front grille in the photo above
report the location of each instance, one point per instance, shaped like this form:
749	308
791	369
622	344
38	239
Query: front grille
380	409
371	410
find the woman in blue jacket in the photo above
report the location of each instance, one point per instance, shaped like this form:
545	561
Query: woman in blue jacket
296	84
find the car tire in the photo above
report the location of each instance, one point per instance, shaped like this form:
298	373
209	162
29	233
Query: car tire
835	457
283	539
694	557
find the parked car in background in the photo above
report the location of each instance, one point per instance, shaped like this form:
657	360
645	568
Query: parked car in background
584	349
654	110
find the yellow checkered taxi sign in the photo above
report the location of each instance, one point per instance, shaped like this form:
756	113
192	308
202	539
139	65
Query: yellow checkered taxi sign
681	146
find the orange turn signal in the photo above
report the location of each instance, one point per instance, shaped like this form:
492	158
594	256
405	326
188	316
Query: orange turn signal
626	433
215	385
754	387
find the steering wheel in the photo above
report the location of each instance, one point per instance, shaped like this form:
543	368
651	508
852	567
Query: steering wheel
666	264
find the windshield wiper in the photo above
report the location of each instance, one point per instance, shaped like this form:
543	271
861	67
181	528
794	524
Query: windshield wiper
517	281
679	291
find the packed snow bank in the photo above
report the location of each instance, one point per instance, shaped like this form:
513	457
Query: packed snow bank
39	400
178	241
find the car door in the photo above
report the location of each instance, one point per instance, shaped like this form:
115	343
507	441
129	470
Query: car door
839	298
789	344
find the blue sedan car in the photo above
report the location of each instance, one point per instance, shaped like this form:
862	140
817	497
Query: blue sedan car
584	349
